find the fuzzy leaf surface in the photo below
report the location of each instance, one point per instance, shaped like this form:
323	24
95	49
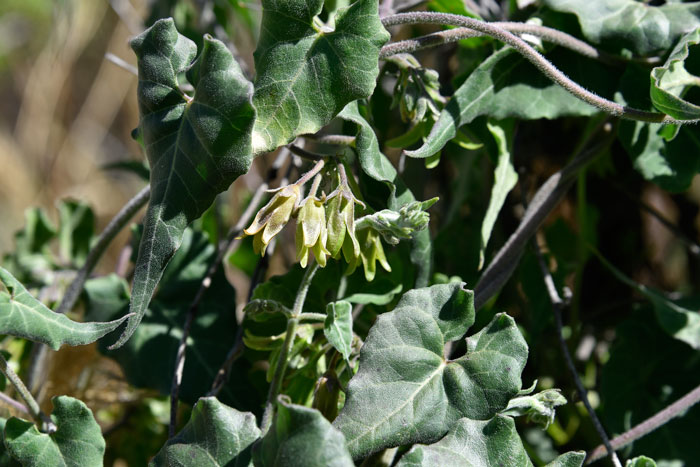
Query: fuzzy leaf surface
301	437
78	441
22	315
196	146
215	435
639	27
671	81
307	74
472	443
407	391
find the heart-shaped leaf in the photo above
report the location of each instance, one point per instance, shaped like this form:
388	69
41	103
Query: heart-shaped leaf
406	389
77	441
671	81
215	435
338	326
301	437
197	146
307	73
22	315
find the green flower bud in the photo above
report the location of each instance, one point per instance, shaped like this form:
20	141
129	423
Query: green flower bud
397	225
341	225
326	395
272	218
371	251
311	232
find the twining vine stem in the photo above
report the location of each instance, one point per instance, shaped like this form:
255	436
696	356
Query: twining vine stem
648	425
223	248
282	360
542	64
44	422
557	305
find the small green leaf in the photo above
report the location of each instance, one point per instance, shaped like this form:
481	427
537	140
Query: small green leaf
196	146
641	461
302	437
24	316
472	443
504	179
215	435
76	231
670	82
539	407
633	25
407	391
569	459
306	74
504	85
338	327
77	442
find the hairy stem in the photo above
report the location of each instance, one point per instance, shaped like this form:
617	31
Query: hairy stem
542	64
649	425
282	361
550	35
557	305
7	400
44	422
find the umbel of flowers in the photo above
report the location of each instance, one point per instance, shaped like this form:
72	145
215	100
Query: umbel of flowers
326	225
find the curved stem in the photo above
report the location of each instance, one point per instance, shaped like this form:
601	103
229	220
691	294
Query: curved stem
649	425
44	422
282	361
551	35
542	64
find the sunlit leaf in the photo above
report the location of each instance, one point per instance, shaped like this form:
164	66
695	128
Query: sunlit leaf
407	391
638	26
215	435
670	82
196	146
307	73
24	316
77	442
301	437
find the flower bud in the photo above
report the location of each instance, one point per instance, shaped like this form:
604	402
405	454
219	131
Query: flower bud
311	232
272	218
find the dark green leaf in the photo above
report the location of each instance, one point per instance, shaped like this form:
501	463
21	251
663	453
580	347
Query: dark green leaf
24	316
76	230
406	391
302	437
504	85
647	371
196	146
658	157
148	359
678	321
670	82
630	24
78	441
215	435
338	327
306	74
472	443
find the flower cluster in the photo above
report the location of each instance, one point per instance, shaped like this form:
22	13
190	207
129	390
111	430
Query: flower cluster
326	225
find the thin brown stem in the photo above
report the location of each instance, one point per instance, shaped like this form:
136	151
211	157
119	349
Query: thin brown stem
648	425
